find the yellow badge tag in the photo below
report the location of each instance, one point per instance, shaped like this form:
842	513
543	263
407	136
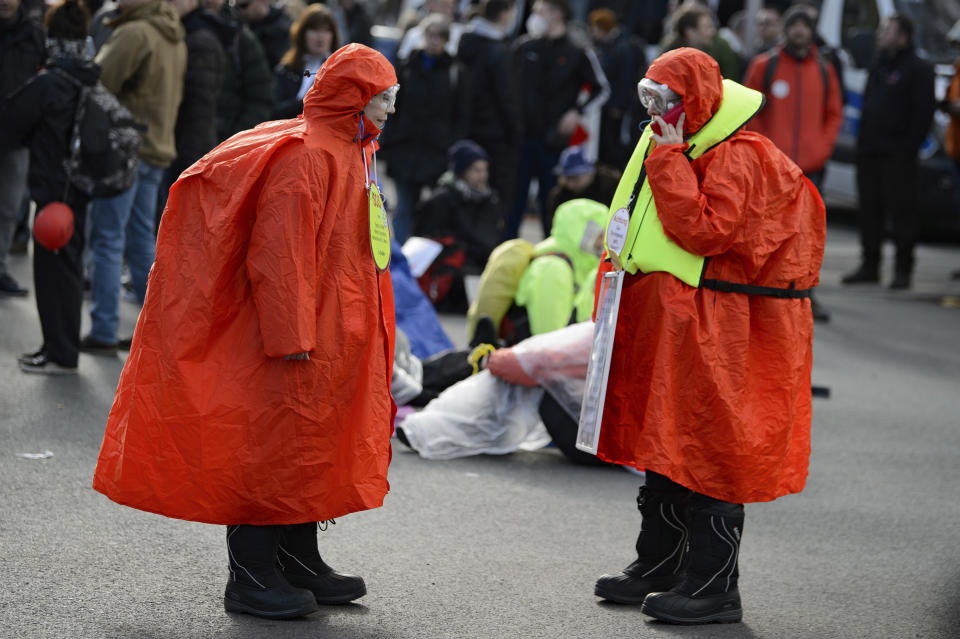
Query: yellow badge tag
379	230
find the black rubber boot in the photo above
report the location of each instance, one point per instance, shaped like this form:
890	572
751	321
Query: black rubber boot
301	565
660	548
708	592
255	586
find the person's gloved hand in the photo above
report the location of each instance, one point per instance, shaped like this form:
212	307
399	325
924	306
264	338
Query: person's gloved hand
298	356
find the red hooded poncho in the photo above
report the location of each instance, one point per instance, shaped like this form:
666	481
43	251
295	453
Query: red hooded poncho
264	251
713	389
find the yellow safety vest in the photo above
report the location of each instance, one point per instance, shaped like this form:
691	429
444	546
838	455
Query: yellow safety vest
646	247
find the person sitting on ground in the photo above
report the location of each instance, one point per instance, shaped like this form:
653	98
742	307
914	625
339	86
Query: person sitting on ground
528	290
463	211
578	177
313	36
528	395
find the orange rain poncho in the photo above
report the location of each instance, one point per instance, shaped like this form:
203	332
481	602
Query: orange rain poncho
712	389
264	251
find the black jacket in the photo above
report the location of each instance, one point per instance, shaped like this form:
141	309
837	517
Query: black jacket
196	131
358	25
286	86
417	137
22	51
601	190
274	34
552	72
40	116
246	98
286	83
490	108
898	105
473	219
624	63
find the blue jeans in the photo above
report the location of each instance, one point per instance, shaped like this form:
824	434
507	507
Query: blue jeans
408	195
13	184
122	228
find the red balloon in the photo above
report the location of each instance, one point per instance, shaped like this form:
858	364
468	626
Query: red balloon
53	226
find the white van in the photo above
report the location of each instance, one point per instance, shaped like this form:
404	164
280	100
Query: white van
849	26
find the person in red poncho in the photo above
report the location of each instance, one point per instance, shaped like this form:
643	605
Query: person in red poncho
257	390
709	388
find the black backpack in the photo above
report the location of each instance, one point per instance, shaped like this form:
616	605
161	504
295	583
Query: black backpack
104	143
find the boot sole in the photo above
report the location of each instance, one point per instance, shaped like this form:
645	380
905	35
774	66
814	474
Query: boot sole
728	616
341	599
231	605
609	596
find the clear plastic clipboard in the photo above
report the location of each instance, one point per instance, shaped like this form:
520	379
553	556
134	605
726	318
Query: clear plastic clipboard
598	370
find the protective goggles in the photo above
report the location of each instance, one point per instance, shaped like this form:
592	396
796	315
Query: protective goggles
656	97
388	96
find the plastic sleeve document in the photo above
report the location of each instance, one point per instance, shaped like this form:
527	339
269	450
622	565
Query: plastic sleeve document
598	370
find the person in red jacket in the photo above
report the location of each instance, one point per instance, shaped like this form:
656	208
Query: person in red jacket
804	106
257	390
709	388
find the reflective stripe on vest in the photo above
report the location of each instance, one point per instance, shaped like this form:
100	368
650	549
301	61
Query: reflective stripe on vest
647	248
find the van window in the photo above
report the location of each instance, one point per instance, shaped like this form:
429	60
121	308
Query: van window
859	28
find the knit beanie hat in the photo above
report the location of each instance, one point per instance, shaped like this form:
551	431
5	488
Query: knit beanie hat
799	12
463	154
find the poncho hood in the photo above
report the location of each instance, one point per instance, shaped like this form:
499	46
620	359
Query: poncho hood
346	82
696	77
576	226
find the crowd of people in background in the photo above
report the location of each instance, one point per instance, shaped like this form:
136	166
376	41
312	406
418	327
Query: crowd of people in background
506	109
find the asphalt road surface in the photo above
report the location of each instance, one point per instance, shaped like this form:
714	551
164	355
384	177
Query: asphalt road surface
511	546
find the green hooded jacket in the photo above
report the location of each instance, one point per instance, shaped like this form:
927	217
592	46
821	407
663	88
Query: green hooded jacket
559	283
143	65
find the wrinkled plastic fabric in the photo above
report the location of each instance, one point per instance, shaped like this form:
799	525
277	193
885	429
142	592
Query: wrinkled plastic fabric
549	288
476	416
498	283
713	389
497	411
264	251
407	380
556	361
416	316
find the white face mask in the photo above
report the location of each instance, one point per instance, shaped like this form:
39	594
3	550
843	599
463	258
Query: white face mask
536	25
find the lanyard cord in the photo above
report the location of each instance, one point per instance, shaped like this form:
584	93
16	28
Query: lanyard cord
366	168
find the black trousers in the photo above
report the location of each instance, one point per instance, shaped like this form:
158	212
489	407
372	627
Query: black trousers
664	486
887	186
563	430
58	282
504	162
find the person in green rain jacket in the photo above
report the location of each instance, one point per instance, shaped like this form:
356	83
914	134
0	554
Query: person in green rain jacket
528	290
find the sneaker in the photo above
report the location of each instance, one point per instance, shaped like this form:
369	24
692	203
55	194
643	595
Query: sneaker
26	357
10	288
95	347
42	365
